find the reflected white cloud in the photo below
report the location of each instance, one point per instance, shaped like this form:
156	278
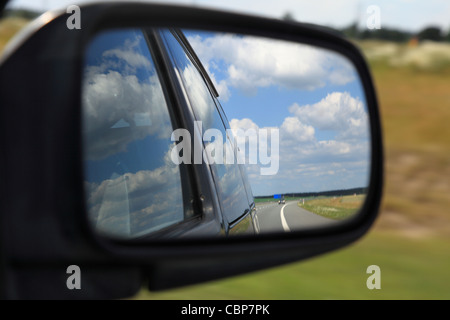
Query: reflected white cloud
113	92
253	63
293	129
338	111
132	203
128	54
310	160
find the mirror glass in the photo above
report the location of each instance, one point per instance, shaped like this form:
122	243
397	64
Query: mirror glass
283	129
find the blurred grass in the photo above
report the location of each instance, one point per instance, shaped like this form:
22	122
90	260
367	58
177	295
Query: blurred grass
334	207
8	27
415	110
411	238
410	269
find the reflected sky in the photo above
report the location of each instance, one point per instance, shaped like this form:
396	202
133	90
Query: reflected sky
235	199
132	185
312	96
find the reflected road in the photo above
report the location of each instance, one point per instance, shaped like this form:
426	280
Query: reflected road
274	217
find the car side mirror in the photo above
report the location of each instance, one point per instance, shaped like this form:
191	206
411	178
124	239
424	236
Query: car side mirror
172	145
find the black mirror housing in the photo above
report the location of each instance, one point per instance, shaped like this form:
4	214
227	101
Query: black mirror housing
43	221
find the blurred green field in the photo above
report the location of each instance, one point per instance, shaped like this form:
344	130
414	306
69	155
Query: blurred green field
410	269
9	27
410	241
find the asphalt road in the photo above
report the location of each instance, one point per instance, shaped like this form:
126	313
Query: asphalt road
274	217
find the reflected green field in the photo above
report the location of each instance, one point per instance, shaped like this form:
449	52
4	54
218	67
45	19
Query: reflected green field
337	208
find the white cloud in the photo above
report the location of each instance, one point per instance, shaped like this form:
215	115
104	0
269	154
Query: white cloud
127	205
243	124
199	95
293	129
308	162
249	63
114	97
339	112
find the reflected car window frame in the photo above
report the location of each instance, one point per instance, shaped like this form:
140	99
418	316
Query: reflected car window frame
229	211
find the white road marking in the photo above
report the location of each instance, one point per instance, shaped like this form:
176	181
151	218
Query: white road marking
257	229
283	220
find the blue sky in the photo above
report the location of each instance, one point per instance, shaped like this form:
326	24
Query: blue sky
409	15
314	99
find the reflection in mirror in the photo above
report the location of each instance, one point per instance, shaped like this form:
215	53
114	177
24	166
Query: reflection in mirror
318	173
287	139
132	186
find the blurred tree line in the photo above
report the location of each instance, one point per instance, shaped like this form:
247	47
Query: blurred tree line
20	13
354	31
432	33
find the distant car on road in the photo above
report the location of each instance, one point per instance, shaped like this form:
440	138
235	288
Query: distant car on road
281	201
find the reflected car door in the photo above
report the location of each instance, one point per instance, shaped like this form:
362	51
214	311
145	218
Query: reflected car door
234	199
